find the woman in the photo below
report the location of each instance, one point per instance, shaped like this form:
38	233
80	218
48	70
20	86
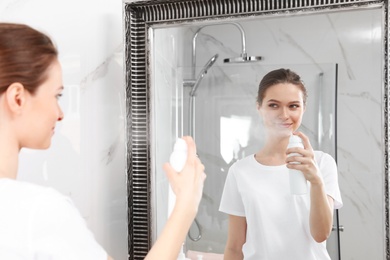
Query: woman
265	220
38	222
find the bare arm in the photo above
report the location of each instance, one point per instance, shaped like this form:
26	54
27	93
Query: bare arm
321	205
236	238
321	213
188	187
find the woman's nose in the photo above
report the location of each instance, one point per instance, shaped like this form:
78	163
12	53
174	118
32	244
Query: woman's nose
284	113
60	115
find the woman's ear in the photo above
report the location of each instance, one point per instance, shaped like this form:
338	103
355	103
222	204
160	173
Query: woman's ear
258	106
15	97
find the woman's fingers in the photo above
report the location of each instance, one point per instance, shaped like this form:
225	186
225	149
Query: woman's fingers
302	158
191	150
170	172
200	170
191	178
305	140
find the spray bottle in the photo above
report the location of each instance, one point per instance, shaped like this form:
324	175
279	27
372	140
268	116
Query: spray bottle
298	183
178	157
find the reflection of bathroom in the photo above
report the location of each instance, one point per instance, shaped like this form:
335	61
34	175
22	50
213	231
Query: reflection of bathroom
214	101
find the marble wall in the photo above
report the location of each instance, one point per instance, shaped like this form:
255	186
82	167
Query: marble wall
87	158
353	40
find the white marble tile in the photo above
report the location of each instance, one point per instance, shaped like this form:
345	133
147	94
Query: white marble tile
87	158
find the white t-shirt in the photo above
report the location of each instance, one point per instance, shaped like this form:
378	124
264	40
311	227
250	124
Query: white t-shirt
41	224
277	222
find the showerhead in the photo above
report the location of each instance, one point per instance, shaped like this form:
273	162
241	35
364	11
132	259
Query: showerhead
203	72
210	63
243	58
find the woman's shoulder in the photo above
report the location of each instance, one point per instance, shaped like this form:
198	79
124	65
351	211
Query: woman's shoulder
246	161
324	159
28	192
23	200
321	155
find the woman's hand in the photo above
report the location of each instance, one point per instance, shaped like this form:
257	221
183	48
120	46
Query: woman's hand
321	205
187	184
306	162
188	187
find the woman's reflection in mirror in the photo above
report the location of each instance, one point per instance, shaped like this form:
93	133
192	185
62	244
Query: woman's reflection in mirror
266	221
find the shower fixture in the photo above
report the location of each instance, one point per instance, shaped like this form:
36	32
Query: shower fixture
203	72
243	56
194	83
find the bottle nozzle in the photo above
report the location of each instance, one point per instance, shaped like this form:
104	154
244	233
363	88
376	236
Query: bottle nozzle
295	139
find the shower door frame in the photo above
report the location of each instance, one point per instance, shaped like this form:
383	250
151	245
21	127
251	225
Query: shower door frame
142	16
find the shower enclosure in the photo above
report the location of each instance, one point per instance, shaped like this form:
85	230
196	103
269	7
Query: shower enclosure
215	102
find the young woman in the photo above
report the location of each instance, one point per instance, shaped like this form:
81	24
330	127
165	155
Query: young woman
266	221
38	222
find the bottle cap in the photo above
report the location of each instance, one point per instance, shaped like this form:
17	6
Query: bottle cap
180	145
295	139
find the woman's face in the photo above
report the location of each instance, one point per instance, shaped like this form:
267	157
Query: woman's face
43	110
282	109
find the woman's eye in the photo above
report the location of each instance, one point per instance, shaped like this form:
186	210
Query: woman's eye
294	106
59	96
273	105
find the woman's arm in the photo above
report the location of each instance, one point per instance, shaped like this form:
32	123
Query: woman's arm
187	186
321	213
321	205
236	238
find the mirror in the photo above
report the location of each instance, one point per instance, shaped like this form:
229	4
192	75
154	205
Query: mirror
346	49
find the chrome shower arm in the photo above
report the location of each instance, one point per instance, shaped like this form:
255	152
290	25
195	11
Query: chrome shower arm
243	41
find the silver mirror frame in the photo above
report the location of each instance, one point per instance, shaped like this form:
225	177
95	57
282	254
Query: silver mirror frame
139	16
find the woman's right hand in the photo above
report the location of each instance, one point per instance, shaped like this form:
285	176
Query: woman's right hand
188	187
187	184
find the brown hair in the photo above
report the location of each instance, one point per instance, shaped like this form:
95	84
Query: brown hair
280	76
25	55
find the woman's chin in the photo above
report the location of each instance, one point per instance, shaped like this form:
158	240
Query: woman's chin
281	133
41	146
286	132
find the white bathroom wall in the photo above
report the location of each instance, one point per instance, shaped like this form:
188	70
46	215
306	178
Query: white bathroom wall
87	158
353	41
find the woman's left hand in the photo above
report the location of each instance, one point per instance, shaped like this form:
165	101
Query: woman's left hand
305	163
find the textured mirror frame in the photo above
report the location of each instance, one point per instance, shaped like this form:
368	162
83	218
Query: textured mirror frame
139	16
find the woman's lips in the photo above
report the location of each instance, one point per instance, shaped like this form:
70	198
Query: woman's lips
286	125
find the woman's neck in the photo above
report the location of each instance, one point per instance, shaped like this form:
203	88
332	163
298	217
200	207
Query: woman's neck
273	151
9	153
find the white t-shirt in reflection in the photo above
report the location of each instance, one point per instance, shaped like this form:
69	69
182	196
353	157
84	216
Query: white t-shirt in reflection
277	222
40	223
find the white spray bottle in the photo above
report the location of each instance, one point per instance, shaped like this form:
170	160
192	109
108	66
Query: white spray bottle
177	160
298	183
178	157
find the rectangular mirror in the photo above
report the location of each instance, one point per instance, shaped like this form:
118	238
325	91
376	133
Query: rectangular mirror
338	47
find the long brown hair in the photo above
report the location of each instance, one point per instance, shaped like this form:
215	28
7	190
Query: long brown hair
25	55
